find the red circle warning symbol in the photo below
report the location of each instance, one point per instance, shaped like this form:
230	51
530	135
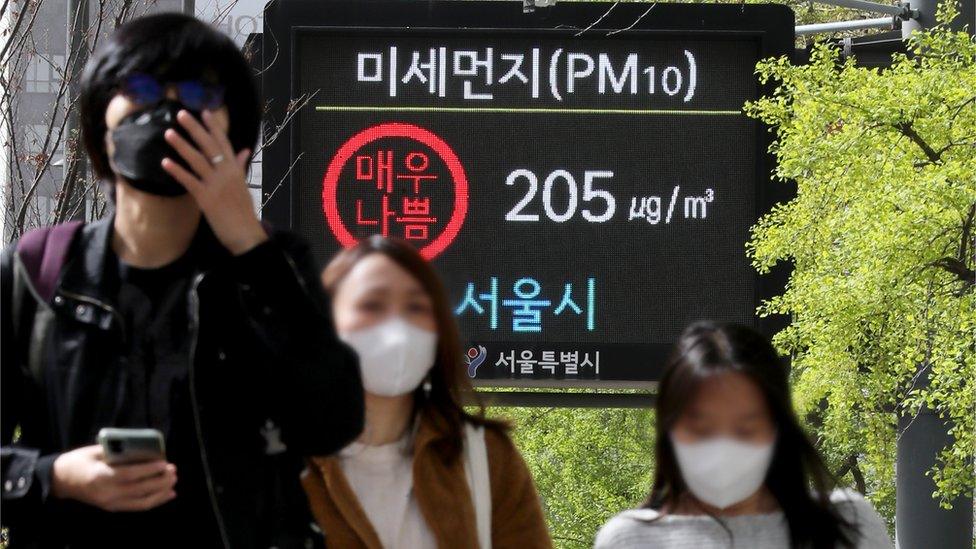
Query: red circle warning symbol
396	179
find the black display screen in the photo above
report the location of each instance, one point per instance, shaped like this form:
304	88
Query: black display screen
585	196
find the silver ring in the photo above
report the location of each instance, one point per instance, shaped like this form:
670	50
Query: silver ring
217	159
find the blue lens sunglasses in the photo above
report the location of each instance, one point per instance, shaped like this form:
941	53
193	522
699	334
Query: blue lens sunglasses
196	95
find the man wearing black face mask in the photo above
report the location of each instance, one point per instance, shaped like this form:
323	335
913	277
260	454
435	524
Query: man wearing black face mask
139	141
177	312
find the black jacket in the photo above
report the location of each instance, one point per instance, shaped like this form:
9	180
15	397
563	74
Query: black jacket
263	349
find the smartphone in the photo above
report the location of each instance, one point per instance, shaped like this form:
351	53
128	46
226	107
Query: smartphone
126	446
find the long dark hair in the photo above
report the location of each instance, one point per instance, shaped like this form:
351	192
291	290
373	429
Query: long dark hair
706	349
449	382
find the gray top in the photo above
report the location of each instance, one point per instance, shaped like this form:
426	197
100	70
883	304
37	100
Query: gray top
638	528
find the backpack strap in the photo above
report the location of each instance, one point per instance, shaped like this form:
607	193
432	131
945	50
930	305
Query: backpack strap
43	252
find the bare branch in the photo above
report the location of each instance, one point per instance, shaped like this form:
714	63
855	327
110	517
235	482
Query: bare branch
597	22
27	33
634	24
14	30
291	110
281	181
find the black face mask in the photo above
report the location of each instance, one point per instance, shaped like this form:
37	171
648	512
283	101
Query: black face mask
140	148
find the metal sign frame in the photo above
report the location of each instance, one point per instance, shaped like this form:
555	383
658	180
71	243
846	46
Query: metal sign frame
772	25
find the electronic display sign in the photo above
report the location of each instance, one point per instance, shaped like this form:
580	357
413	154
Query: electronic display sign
583	177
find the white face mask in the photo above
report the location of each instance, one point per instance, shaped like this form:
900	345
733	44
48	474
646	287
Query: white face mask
394	355
723	471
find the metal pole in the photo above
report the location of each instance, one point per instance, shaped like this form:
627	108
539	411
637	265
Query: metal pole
879	23
872	7
919	521
926	16
76	169
189	7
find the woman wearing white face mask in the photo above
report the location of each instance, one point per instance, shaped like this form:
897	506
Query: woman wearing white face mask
424	473
734	468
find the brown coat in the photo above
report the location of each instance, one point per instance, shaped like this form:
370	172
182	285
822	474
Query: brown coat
442	493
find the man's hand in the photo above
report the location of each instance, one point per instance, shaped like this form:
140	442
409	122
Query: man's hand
83	475
217	181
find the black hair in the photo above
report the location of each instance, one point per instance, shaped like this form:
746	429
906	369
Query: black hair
170	47
797	476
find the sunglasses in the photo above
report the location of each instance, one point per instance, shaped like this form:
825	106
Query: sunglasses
145	90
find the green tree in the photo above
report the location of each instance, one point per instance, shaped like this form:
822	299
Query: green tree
588	464
881	238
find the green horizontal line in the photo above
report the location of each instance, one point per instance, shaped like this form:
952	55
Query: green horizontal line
524	110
